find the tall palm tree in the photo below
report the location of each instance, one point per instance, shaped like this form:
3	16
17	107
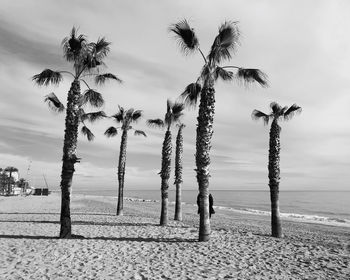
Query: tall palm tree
86	59
278	113
178	172
125	118
10	170
172	116
225	43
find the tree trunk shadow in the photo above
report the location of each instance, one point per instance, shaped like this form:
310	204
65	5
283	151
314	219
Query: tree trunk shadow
128	239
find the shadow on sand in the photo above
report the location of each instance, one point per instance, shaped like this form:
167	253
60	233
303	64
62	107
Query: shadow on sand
130	239
84	223
57	213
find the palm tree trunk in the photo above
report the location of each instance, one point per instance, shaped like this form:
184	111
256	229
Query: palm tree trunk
69	157
203	145
178	174
9	189
274	178
121	171
165	175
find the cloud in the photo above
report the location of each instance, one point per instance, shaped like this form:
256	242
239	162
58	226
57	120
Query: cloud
305	58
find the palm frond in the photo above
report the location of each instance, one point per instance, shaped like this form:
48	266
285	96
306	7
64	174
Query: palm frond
101	48
47	76
93	116
185	36
276	109
118	117
111	132
225	42
54	103
140	132
102	78
128	113
137	114
81	114
87	132
223	74
92	97
256	115
205	72
252	75
191	93
157	123
177	108
291	111
73	45
283	110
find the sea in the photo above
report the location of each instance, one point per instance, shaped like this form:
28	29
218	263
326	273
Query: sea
323	207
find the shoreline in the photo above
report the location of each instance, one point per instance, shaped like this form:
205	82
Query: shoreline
293	217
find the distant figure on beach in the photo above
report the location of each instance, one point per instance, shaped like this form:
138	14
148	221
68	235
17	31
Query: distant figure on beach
211	203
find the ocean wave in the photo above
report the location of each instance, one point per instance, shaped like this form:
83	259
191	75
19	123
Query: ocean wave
334	221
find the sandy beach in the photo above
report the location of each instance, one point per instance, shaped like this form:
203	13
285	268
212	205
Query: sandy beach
133	246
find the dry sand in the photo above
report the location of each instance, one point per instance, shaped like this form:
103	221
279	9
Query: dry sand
135	247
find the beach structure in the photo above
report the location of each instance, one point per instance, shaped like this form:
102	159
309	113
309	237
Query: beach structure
225	43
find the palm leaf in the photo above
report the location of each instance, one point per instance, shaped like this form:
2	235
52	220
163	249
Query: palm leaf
252	75
158	123
92	97
140	132
276	109
256	115
137	114
185	36
101	48
119	117
111	132
291	111
223	74
89	135
191	94
54	103
73	45
101	79
225	42
177	108
93	116
48	76
128	113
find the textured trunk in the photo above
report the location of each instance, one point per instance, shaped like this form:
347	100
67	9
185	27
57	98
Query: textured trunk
9	189
165	175
203	145
178	174
121	171
274	178
69	157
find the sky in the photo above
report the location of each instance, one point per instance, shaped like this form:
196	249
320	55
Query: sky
303	47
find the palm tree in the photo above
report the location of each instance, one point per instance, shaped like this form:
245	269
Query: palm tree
10	170
86	58
178	172
125	118
172	116
23	184
224	44
277	114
